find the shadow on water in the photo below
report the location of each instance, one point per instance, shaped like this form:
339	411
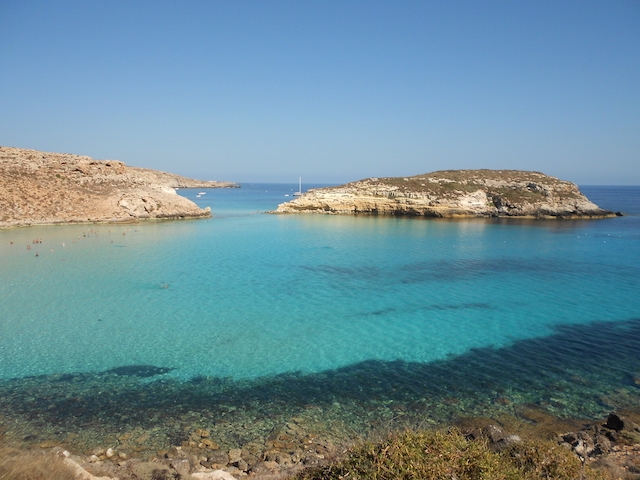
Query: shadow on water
141	371
579	371
438	271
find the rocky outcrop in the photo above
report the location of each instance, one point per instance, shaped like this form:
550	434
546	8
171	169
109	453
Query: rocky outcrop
48	188
453	193
613	444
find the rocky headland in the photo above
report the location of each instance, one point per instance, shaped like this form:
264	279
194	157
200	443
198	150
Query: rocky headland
453	193
55	188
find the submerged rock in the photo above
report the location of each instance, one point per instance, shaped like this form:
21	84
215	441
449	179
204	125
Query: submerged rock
142	371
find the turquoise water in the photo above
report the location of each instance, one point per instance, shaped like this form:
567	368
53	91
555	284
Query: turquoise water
249	297
255	295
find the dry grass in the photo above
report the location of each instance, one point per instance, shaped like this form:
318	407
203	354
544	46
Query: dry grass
32	465
436	455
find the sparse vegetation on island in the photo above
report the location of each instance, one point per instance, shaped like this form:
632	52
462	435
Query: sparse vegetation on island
453	193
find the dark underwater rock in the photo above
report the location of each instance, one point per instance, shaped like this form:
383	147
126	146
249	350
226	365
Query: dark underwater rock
141	371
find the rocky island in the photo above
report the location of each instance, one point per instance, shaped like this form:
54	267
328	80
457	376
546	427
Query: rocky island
52	188
453	193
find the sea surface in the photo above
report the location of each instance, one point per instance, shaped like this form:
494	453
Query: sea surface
241	322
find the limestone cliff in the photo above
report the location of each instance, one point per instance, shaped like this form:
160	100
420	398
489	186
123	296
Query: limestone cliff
453	193
47	188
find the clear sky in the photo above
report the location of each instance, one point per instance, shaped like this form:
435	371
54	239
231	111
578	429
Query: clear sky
332	91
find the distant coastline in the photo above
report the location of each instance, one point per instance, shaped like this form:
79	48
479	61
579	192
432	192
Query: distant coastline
39	188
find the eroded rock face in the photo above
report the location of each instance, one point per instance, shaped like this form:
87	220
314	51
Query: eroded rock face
453	193
47	188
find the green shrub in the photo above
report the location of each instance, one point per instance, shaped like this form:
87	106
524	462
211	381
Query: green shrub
425	455
448	455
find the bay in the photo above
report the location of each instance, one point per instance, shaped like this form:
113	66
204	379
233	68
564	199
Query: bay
374	308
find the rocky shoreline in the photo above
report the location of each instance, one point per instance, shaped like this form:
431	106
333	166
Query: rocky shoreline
610	445
38	188
452	194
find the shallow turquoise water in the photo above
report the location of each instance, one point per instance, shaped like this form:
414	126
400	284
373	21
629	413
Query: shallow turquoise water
245	323
250	295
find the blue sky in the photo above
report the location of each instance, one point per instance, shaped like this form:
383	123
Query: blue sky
332	91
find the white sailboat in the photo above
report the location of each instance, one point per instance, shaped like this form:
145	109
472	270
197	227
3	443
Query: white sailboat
299	192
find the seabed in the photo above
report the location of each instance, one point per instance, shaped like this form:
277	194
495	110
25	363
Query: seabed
580	372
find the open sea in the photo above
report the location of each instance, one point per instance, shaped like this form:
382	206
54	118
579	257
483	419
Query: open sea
133	336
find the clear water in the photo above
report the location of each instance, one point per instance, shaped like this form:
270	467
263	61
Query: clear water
337	301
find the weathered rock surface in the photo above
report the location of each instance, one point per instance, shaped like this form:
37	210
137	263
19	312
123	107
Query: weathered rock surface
48	188
613	445
453	193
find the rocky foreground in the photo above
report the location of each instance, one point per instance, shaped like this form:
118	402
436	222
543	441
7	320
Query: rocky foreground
606	449
453	193
51	188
